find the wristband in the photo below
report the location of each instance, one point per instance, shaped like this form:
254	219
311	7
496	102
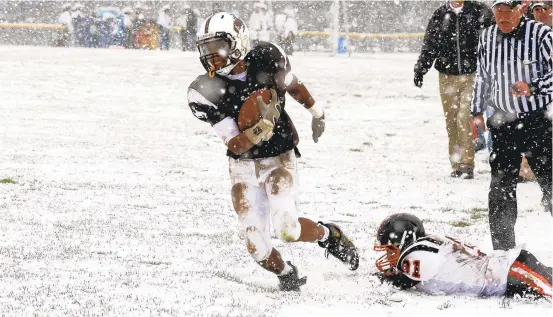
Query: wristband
315	111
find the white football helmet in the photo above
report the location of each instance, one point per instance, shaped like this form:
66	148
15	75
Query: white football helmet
223	41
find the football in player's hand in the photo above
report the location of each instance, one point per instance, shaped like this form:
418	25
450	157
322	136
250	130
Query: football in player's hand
249	113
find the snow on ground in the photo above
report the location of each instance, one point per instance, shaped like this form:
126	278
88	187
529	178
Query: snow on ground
122	206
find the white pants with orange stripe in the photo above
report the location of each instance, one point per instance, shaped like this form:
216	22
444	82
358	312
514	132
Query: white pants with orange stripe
529	277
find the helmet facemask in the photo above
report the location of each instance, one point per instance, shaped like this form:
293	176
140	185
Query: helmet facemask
218	53
387	263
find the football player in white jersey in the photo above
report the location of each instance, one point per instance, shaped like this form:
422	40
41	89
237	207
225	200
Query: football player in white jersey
443	265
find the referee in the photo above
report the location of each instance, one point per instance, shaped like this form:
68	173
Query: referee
514	76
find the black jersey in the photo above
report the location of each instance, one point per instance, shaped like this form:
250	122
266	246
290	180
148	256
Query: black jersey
221	97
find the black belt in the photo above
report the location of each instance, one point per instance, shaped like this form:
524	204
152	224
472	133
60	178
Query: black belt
523	115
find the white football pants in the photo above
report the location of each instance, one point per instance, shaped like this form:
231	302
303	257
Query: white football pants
263	192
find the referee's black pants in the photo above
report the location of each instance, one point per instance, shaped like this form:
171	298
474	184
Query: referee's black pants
513	136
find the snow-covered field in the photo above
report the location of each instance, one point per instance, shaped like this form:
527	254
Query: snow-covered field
121	205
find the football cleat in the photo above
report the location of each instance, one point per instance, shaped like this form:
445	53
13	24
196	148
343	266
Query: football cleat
291	281
340	246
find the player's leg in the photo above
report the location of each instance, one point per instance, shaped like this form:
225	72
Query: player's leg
252	216
251	204
281	192
540	157
529	277
505	160
465	137
450	108
288	226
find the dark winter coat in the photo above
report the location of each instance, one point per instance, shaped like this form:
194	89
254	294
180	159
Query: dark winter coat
452	39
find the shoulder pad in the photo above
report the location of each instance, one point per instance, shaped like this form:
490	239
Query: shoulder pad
212	88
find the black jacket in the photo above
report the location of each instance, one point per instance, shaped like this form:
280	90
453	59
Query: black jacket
452	39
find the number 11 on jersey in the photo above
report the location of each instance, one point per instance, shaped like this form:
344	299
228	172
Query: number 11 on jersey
414	270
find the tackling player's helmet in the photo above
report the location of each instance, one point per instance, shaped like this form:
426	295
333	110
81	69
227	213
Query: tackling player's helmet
394	234
223	41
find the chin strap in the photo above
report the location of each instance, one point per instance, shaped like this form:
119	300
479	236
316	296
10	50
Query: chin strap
232	64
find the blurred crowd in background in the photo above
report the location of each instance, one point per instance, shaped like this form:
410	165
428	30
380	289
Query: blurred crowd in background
173	24
164	24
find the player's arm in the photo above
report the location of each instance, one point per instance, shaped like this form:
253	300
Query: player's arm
261	131
237	142
225	127
240	144
299	92
276	63
244	141
287	81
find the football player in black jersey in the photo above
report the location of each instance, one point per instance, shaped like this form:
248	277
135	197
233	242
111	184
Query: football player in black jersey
262	159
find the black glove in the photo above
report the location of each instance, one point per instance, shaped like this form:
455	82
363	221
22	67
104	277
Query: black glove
318	127
418	79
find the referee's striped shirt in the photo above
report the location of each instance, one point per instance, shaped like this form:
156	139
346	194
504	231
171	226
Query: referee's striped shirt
522	55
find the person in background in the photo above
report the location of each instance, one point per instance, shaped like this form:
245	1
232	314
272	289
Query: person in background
187	22
541	12
139	10
451	40
138	20
216	7
128	22
517	83
260	24
66	33
525	6
82	26
290	30
165	24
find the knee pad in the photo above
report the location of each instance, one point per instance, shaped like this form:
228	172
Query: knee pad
240	200
259	247
287	226
281	181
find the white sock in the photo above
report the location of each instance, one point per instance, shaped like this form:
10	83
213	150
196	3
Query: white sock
325	236
287	269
